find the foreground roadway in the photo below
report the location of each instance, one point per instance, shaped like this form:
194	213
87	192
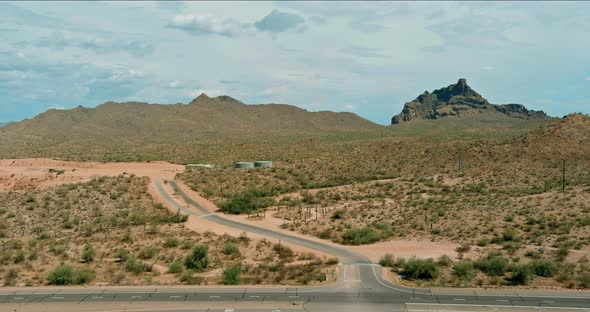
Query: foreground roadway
359	288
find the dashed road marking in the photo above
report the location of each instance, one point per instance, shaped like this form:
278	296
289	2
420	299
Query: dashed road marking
214	296
96	297
57	298
18	298
459	299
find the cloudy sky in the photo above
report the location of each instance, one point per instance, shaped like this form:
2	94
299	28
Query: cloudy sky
364	57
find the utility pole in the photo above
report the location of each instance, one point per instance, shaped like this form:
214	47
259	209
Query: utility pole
563	177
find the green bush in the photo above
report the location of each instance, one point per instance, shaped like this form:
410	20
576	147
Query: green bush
231	249
464	270
444	260
148	252
545	268
61	275
463	248
494	264
198	260
231	275
188	277
360	236
88	253
521	274
420	269
171	242
175	267
247	202
123	254
84	276
482	242
283	251
136	266
387	261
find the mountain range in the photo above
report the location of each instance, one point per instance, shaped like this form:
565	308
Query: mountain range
203	118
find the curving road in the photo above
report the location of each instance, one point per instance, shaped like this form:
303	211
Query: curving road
360	283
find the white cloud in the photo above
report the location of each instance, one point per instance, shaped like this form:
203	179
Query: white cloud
349	107
200	25
488	68
587	78
121	74
175	84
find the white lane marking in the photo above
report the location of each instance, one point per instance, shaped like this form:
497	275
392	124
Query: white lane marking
18	298
175	296
459	299
412	291
214	296
135	297
502	300
254	296
57	298
549	301
97	297
293	296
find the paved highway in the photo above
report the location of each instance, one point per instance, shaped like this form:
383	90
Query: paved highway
360	283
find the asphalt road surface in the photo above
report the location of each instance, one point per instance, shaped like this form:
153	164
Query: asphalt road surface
359	288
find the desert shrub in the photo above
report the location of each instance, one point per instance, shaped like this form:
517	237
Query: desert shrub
584	280
123	254
148	252
464	270
231	275
171	242
246	202
175	267
521	274
88	253
444	261
231	249
84	276
283	251
365	235
10	277
61	275
482	242
136	266
494	264
420	269
338	214
545	268
387	261
198	260
188	277
463	248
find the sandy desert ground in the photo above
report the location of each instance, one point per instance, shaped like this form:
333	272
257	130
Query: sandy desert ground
24	174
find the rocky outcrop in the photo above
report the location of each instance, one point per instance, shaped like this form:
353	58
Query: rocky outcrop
455	100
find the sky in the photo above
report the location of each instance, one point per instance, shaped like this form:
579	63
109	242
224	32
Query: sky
364	57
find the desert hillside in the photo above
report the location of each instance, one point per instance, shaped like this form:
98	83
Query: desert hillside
204	118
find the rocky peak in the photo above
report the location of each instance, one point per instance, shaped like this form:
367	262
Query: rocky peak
202	97
455	100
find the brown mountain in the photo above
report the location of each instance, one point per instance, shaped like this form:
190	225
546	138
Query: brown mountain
459	100
202	118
